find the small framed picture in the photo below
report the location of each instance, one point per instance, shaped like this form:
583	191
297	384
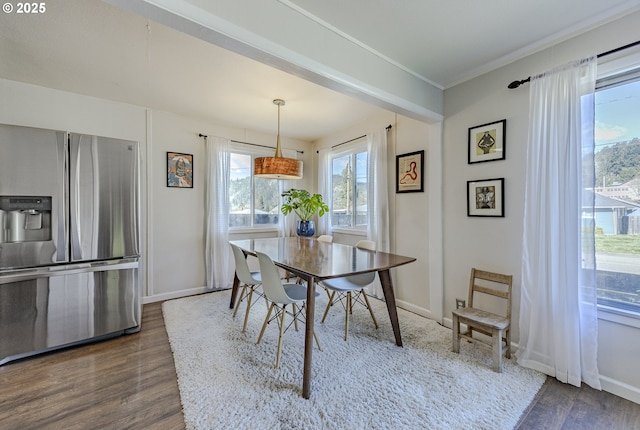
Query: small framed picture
409	172
179	170
485	197
487	142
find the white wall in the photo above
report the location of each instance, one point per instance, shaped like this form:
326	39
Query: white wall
495	243
411	214
176	220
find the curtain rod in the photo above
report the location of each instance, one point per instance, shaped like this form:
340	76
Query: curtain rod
356	138
347	141
298	151
249	143
516	84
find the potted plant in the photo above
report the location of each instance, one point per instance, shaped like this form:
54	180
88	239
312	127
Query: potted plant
305	205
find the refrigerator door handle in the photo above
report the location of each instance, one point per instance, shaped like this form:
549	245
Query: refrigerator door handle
74	178
62	248
68	269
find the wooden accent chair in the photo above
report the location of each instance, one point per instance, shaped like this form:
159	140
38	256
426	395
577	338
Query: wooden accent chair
498	327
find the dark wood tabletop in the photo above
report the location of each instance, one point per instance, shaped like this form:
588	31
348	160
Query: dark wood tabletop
315	261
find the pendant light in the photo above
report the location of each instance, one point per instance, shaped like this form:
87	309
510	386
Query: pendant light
277	167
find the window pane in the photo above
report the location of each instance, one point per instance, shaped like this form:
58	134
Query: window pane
240	191
342	198
617	211
266	201
362	189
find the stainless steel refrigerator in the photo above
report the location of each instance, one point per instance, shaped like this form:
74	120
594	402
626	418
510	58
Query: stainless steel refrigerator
69	239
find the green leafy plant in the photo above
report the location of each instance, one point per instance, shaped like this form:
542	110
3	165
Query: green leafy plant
303	203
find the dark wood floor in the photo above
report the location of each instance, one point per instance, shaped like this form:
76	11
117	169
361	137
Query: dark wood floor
563	406
130	383
127	382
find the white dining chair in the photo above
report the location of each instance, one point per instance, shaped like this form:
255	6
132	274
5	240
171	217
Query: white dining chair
280	296
350	290
250	281
326	238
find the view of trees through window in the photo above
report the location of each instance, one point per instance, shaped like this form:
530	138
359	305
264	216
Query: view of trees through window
350	187
254	201
617	195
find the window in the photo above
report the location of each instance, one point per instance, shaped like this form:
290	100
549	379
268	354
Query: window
617	192
350	185
254	202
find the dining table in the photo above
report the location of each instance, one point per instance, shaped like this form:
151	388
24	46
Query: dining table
315	261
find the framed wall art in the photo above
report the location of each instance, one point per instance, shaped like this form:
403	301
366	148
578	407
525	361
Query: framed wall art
409	172
485	197
179	170
487	142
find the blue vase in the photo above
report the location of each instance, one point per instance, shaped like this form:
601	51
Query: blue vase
306	228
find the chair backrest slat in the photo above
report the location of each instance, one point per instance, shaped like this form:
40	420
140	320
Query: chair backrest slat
495	278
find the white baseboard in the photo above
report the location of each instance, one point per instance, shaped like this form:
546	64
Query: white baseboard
415	309
620	389
173	295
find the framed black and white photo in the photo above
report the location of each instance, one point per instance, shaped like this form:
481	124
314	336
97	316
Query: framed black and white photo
487	142
485	197
409	172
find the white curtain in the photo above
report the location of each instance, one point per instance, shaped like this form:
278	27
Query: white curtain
219	270
558	321
378	201
324	188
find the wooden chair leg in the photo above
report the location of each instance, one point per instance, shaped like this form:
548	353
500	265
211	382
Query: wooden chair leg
366	300
346	318
508	346
242	291
295	319
326	310
266	321
282	314
246	314
317	340
456	334
496	340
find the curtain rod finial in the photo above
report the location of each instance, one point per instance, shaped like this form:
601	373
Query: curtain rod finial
516	84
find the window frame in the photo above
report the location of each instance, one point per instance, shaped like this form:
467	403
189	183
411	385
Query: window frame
621	70
352	149
254	153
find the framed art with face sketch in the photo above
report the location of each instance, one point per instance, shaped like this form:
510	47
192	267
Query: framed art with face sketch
487	142
179	170
485	198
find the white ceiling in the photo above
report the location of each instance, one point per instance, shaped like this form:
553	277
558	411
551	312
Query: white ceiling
94	48
448	42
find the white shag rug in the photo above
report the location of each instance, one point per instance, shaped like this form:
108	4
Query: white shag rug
227	381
